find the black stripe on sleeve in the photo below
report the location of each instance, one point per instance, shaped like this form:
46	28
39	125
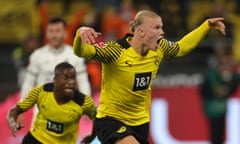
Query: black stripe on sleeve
109	54
173	51
170	49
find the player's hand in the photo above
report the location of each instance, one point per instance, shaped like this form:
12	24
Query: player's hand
88	34
218	24
20	121
14	125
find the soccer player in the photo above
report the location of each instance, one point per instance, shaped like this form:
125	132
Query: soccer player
43	60
60	107
129	66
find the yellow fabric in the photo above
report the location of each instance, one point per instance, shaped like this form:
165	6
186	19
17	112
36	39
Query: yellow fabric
192	39
50	112
88	52
121	70
118	98
127	76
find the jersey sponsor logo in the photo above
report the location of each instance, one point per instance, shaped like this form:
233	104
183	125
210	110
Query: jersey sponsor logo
122	129
142	81
55	126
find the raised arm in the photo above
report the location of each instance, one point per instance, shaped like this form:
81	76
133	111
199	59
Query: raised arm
85	46
192	39
83	42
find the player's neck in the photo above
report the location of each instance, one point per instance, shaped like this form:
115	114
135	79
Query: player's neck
60	98
138	46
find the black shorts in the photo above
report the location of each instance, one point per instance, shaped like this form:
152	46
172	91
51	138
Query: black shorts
109	130
29	139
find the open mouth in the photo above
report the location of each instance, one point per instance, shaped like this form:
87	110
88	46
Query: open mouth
69	89
157	44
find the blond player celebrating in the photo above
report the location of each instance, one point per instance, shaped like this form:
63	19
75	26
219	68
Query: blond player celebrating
129	66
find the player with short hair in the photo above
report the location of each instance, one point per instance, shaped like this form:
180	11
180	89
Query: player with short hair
60	108
44	59
129	66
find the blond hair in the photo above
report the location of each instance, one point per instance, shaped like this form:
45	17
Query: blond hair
140	17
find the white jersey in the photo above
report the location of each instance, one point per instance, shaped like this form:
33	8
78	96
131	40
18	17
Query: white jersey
41	68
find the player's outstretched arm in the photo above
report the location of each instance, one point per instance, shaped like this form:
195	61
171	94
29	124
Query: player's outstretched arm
12	119
192	39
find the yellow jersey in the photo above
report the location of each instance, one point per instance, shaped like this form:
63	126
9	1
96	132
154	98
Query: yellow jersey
56	124
127	76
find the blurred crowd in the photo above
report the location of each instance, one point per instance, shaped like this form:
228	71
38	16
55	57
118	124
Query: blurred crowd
111	17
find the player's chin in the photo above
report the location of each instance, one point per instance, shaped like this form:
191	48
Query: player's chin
154	48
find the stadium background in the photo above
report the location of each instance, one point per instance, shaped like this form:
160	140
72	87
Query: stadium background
176	111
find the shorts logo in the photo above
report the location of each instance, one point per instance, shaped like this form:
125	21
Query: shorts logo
122	129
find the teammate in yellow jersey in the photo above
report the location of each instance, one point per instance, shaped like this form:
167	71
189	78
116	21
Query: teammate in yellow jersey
60	108
129	66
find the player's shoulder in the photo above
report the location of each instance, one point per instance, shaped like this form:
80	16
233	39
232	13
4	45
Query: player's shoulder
37	90
48	87
123	43
79	98
164	42
119	43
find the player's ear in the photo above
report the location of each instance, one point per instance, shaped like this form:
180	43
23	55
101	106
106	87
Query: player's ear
141	32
